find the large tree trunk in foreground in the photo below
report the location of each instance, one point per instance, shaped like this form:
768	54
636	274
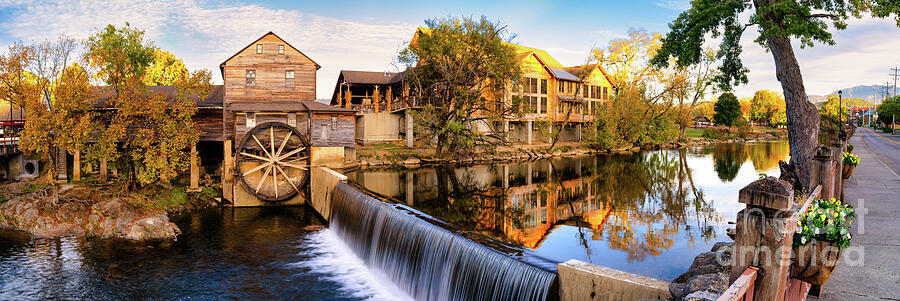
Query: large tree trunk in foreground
802	116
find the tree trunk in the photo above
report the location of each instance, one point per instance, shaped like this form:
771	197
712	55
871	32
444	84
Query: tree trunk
802	117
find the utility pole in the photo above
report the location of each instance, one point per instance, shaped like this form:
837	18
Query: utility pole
895	72
887	92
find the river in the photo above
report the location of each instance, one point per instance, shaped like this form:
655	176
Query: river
648	213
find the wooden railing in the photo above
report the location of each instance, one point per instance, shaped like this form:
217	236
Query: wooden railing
742	288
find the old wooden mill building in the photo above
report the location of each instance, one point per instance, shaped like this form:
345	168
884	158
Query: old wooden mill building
262	129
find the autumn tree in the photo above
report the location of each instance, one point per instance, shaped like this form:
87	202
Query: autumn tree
641	112
833	114
767	107
778	22
460	68
54	94
165	70
728	109
697	84
148	132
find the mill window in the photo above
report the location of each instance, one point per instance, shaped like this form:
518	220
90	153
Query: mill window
251	77
543	86
258	48
280	49
289	78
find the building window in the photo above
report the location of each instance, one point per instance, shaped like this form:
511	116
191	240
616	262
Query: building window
543	86
258	48
543	105
251	120
584	91
280	49
531	103
605	92
289	78
532	86
562	87
251	77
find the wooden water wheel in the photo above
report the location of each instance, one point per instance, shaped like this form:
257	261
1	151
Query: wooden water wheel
273	161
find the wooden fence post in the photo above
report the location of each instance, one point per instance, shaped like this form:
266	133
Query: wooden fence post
822	169
764	235
837	155
76	165
195	168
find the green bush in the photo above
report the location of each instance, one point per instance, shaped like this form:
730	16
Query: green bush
743	128
714	133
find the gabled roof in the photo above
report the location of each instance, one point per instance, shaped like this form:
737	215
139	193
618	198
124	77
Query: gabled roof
222	65
521	51
579	71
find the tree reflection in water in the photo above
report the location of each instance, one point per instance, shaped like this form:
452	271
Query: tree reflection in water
639	204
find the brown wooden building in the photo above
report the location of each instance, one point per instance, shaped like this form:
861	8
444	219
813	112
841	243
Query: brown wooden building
262	129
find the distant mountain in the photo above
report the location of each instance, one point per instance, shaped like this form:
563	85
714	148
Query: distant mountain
869	93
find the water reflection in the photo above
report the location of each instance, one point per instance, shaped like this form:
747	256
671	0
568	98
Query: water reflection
245	253
647	213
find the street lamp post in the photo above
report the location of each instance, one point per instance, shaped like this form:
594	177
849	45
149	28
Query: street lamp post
841	108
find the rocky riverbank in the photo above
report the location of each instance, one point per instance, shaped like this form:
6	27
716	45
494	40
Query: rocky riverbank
523	153
80	212
707	278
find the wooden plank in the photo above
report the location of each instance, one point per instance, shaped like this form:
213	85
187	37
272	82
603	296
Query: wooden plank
812	197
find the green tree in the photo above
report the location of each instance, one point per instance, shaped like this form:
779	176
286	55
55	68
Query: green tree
778	21
461	68
148	133
728	109
165	70
767	107
889	110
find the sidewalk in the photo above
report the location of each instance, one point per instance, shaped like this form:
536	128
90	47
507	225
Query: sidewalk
874	190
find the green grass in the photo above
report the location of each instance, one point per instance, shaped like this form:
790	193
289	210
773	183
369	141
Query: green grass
692	132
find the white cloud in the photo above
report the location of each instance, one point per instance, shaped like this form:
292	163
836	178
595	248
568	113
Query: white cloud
205	34
674	4
862	55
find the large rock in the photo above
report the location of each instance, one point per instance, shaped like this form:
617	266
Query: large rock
152	227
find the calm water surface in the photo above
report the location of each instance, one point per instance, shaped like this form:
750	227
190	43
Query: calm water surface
245	254
649	213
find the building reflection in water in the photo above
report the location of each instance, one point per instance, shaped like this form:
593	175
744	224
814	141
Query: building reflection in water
627	208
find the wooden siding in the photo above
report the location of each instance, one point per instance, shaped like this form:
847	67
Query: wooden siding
209	122
270	67
339	131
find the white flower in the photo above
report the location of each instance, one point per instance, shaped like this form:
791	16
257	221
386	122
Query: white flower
803	240
816	231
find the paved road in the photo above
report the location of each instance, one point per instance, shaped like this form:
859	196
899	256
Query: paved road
874	189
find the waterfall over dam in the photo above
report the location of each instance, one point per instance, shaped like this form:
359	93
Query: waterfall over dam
429	260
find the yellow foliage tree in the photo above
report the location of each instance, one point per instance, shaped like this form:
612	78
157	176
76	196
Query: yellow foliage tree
165	70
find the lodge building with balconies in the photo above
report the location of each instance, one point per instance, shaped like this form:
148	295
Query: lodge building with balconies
551	92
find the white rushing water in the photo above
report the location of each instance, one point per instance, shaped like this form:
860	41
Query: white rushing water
333	260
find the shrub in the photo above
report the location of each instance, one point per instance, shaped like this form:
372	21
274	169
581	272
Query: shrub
743	128
715	133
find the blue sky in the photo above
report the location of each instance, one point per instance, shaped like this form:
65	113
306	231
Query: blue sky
366	35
